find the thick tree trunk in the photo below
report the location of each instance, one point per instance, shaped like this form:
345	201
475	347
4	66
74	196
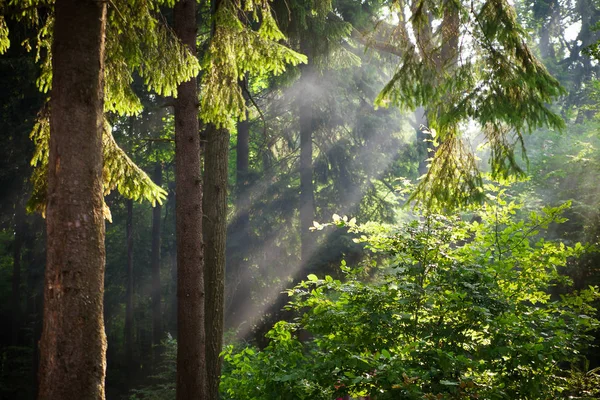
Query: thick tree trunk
157	327
216	159
73	343
129	287
16	278
191	365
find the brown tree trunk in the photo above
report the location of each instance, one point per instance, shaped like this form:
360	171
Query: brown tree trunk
129	288
216	159
191	365
73	343
157	329
16	278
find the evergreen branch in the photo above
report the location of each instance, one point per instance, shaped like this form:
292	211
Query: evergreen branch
260	113
119	171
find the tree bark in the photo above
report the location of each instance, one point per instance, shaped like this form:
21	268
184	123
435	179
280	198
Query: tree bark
73	343
191	365
157	327
129	287
216	159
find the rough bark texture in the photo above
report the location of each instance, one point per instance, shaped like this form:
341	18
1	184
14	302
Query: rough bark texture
129	288
216	159
157	326
73	343
191	366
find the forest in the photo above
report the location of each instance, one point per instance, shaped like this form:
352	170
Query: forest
299	199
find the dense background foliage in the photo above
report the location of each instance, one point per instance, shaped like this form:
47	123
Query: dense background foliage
494	302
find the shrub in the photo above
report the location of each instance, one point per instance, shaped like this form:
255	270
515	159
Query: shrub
442	309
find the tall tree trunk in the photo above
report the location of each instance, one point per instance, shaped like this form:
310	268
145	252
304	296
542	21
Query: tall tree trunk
216	159
73	343
16	278
191	365
306	121
157	327
129	288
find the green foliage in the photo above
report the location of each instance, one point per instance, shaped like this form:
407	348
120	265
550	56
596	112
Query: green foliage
119	171
444	309
237	49
139	41
4	40
493	79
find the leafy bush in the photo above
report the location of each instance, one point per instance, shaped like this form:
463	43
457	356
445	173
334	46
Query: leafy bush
443	309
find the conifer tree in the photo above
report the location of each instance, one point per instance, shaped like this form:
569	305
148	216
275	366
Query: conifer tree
73	343
497	82
235	50
191	359
135	42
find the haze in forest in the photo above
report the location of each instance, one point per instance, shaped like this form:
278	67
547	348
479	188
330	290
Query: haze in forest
293	199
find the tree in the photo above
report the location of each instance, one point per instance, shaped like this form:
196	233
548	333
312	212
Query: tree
216	159
437	312
497	82
73	341
191	359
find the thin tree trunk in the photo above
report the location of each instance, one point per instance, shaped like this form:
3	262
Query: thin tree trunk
216	159
191	364
16	278
129	288
73	343
157	327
